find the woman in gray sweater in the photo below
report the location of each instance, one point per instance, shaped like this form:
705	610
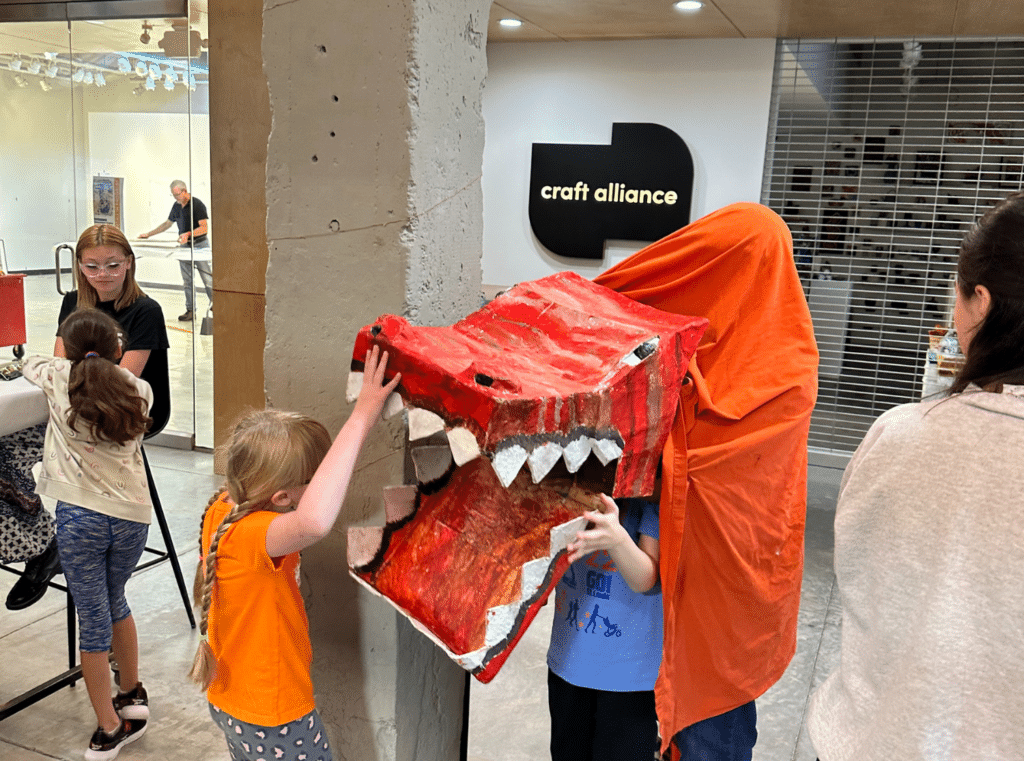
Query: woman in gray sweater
929	545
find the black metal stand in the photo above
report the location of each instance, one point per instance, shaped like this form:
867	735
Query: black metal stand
68	678
168	553
74	672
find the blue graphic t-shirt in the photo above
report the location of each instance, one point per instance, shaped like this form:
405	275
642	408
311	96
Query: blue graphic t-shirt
605	636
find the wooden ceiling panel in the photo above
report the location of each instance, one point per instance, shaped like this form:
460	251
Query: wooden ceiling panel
633	19
617	20
528	32
841	18
989	18
814	18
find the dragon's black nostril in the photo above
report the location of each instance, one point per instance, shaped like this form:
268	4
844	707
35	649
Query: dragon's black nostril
375	330
483	380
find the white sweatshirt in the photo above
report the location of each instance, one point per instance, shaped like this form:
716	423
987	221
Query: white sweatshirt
929	559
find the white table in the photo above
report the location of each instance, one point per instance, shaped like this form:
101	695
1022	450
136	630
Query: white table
158	247
21	405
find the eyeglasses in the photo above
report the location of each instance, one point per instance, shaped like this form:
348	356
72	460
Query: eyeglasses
95	270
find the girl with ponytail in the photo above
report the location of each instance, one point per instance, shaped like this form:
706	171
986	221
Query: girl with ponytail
92	465
286	482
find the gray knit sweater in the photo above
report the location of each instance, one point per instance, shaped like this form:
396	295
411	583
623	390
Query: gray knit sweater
929	559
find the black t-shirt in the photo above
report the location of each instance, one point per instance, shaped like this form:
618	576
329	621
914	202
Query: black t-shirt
143	324
188	217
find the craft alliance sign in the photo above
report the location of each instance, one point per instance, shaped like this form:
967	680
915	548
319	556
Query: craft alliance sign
637	188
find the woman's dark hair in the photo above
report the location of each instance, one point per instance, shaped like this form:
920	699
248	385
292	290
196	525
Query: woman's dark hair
107	403
992	255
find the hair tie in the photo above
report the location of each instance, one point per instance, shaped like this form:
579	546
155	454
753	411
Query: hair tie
91	354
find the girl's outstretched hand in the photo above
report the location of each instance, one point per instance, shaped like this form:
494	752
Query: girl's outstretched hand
374	391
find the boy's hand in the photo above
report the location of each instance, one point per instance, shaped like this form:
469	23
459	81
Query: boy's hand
373	394
604	533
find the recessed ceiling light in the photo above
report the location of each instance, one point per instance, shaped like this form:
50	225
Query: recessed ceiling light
511	23
689	5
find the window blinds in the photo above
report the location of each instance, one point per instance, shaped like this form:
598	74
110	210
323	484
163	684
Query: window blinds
881	154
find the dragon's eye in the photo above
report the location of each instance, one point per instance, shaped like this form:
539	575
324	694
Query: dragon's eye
641	352
646	349
483	380
375	330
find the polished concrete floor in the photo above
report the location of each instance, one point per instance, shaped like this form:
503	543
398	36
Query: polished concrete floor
508	717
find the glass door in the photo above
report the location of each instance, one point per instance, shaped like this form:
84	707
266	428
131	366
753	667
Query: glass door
101	117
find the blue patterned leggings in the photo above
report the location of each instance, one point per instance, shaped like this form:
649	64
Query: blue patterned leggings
98	553
300	740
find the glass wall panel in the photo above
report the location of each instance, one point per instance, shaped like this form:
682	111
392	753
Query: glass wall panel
100	117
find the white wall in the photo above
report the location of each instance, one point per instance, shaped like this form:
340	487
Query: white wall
37	173
53	142
715	94
150	151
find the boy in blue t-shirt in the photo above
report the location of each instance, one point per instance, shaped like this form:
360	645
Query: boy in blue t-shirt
606	638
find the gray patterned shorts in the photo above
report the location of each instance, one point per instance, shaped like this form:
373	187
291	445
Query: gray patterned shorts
300	740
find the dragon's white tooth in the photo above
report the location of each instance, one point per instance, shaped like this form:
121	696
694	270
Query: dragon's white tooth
606	450
533	574
423	423
431	462
400	501
463	444
500	620
355	385
576	453
392	406
363	543
507	462
543	459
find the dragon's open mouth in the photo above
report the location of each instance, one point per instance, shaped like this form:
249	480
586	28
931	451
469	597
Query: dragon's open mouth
518	416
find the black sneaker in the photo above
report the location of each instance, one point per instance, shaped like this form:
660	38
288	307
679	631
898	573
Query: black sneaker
103	747
134	704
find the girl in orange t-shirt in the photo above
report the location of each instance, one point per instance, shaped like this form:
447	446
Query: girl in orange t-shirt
286	482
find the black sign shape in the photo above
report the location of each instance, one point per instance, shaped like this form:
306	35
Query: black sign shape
637	188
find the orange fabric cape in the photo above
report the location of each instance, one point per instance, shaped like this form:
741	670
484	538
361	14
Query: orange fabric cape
734	483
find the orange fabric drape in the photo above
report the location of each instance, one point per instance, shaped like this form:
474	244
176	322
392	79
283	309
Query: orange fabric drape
734	494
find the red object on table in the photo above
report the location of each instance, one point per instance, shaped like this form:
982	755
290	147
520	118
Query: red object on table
12	310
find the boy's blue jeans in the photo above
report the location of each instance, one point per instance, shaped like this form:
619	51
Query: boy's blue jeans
728	737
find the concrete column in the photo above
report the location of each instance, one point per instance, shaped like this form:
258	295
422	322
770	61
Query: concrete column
373	206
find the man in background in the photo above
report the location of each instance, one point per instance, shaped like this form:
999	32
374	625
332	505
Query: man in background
193	221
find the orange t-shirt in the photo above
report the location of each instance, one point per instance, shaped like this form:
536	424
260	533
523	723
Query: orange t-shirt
734	491
257	625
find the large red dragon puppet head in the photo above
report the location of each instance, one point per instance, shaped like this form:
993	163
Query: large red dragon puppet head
519	415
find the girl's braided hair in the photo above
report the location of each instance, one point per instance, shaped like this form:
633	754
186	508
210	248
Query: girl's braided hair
269	450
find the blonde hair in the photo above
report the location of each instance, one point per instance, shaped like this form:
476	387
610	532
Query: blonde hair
105	235
268	451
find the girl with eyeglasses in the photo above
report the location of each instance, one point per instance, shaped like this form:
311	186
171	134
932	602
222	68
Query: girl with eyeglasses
105	279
